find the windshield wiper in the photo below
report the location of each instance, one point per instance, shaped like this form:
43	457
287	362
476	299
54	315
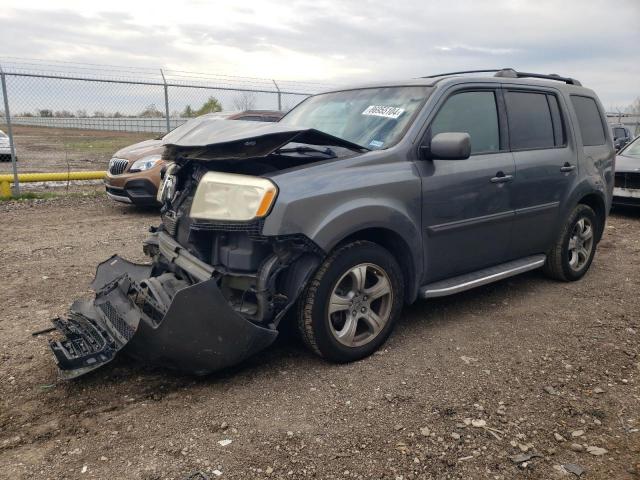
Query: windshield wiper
303	149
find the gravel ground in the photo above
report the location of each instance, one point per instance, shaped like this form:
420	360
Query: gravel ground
527	378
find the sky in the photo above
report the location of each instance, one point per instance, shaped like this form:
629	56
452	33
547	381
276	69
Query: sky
337	42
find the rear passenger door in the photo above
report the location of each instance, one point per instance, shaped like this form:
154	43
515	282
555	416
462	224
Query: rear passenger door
546	166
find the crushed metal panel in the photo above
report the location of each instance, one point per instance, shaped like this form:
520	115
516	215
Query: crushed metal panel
238	140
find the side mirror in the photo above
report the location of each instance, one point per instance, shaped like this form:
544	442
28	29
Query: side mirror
450	146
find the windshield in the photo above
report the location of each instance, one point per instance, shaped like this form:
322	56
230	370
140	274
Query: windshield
3	135
375	118
633	149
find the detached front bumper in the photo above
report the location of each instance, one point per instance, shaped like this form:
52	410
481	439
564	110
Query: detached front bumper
157	319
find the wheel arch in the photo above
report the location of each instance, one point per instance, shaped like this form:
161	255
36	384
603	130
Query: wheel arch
398	247
597	204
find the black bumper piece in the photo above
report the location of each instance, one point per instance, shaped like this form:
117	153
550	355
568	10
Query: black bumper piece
199	333
139	192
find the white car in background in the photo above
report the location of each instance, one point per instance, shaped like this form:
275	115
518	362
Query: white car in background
5	148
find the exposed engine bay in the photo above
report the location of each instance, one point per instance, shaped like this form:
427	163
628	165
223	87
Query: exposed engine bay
215	291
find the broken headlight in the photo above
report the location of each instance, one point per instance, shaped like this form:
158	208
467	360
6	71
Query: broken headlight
233	197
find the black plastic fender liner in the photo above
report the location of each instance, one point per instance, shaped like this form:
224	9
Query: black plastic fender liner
200	333
115	267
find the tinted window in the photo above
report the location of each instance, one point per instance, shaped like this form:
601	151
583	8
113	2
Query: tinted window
589	120
619	133
559	134
530	124
474	113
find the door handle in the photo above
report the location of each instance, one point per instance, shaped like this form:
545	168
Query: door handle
567	167
501	178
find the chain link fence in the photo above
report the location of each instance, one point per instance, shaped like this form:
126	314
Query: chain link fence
68	116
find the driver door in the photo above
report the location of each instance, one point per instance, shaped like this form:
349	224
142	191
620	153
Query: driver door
467	212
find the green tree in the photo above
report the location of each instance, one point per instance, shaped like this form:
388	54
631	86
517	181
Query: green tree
210	106
188	112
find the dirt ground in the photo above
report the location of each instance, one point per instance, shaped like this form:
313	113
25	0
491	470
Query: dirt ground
467	383
43	149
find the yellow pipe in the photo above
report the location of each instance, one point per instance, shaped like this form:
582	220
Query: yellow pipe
6	180
5	189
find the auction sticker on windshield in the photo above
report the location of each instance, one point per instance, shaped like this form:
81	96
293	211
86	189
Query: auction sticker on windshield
382	111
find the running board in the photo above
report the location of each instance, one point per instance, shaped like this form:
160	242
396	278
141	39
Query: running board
481	277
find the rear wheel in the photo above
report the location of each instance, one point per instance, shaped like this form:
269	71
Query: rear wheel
349	309
571	256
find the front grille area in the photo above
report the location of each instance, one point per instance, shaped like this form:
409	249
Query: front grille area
627	180
253	229
116	320
170	222
117	166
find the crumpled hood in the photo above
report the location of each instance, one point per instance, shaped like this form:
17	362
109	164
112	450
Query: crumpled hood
140	149
244	139
627	164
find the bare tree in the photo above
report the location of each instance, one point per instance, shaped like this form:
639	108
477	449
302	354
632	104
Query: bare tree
245	101
634	108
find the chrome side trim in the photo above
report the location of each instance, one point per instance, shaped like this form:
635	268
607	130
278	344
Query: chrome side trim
119	198
481	277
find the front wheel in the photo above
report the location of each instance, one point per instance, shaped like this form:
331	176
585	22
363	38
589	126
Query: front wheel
572	254
349	308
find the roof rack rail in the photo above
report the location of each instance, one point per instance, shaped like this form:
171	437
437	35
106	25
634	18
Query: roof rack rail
512	73
461	72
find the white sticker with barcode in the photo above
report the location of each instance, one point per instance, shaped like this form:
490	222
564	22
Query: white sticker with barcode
382	111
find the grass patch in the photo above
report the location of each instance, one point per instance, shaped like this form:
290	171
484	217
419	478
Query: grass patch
49	195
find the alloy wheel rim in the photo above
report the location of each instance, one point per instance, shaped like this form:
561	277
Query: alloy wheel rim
360	305
580	244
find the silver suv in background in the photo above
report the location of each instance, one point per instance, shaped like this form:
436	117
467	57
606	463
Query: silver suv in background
5	147
621	136
357	202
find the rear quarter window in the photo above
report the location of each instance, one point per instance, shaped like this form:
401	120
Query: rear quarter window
589	120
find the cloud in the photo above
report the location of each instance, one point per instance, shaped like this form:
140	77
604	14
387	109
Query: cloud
334	41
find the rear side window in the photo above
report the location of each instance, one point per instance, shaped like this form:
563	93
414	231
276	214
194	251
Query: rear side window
474	113
589	120
531	123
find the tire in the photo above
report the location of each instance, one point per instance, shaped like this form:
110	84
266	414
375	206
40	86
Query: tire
332	335
561	264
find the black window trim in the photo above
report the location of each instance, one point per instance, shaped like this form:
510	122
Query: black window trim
502	126
604	125
563	122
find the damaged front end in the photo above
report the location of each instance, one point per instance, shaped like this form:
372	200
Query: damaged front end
214	292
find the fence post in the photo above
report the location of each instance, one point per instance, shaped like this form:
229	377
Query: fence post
16	183
279	95
166	100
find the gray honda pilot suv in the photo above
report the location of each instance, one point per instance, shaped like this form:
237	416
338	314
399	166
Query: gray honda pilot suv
357	202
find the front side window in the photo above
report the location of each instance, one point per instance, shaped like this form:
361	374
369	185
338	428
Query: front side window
375	118
530	124
474	113
589	120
